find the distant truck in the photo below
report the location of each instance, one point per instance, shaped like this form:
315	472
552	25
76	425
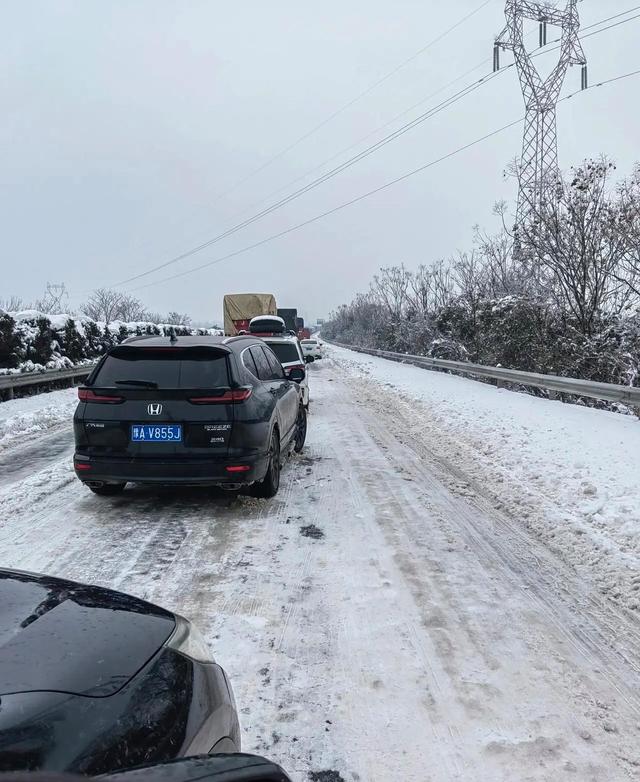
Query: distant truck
290	318
302	332
239	308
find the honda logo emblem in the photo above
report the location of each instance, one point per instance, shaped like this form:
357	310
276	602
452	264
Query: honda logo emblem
155	408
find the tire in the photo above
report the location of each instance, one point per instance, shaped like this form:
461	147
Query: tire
269	485
301	430
108	490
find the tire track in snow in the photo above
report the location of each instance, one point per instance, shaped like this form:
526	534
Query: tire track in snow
408	640
491	543
525	556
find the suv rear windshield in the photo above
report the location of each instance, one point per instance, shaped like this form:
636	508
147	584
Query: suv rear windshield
163	368
285	351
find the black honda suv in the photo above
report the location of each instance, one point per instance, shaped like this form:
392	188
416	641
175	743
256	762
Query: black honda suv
188	410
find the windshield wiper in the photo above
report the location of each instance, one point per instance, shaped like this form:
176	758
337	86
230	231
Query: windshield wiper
143	383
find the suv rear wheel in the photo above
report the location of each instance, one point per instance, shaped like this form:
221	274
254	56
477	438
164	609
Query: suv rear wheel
108	489
269	485
301	430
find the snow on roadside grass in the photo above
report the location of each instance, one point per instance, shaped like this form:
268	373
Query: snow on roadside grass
567	473
24	417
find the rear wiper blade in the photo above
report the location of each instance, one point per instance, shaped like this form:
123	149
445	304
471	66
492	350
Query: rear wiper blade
143	383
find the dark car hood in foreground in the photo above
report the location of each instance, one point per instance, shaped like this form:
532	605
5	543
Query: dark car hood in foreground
60	636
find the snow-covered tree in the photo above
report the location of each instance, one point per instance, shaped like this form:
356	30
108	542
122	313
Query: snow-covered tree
580	245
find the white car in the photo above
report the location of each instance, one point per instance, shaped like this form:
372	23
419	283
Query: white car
312	347
290	355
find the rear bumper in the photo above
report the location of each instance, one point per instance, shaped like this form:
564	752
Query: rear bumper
203	472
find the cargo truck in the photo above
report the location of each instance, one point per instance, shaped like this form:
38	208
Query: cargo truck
239	308
301	331
290	318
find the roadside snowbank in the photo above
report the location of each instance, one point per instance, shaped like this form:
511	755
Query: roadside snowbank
22	418
569	474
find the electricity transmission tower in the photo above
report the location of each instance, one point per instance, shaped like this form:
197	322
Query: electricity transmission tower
538	172
55	298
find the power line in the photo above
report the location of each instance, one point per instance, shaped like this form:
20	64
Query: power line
373	192
595	32
335	209
424	100
611	18
320	180
600	84
330	211
406	111
342	109
363	154
355	100
371	133
234	229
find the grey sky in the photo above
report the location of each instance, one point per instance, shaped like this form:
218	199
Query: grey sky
123	122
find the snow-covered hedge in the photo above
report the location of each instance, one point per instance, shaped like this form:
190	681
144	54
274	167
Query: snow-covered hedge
33	342
513	332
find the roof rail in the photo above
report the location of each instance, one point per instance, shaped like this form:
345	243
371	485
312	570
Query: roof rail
137	337
238	336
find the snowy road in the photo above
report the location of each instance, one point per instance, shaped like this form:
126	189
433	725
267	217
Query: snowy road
35	455
379	618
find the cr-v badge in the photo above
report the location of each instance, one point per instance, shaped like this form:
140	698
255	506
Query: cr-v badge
155	408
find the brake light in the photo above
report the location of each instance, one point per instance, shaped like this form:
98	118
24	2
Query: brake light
238	468
82	466
87	395
232	396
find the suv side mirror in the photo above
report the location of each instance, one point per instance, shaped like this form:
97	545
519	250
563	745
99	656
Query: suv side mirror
297	374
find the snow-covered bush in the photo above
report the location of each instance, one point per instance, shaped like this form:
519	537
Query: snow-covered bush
531	334
9	342
33	342
558	295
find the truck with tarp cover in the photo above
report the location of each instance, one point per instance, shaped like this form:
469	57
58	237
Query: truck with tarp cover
239	308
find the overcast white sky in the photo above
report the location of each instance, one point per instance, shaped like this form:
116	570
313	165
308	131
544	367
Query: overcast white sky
128	124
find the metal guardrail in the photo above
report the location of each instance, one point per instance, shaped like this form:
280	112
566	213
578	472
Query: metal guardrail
556	384
25	379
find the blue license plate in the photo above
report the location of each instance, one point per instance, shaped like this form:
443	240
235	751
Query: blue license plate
156	433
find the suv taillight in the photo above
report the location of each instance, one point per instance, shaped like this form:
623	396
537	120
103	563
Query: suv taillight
87	395
294	366
233	396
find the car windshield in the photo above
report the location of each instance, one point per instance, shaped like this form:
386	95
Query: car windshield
285	351
163	368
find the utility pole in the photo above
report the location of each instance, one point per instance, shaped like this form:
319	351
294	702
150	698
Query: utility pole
538	172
